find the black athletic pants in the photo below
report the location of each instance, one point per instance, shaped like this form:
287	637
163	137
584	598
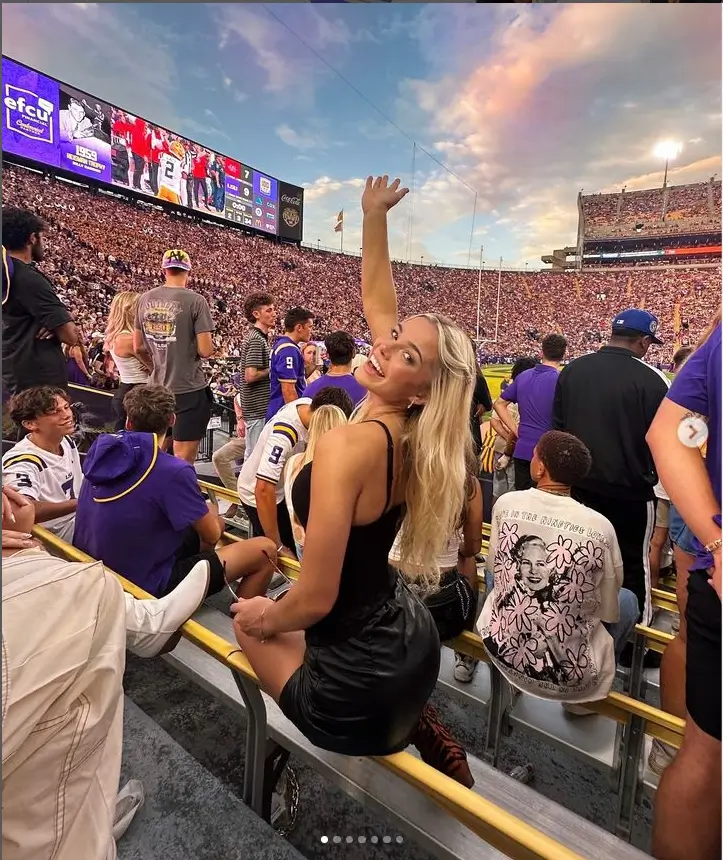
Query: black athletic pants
119	410
282	515
633	522
523	479
703	655
138	166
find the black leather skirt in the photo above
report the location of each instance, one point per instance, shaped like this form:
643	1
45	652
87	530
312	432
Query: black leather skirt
363	696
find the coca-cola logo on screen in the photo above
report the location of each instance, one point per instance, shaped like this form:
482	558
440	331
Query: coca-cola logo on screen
292	201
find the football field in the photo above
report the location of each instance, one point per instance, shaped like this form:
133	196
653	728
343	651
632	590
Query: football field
495	374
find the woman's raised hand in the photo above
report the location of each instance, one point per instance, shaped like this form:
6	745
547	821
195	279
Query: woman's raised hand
379	194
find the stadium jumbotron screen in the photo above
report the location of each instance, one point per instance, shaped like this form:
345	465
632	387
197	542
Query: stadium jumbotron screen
55	124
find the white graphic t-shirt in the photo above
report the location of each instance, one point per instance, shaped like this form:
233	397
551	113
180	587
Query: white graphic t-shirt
557	572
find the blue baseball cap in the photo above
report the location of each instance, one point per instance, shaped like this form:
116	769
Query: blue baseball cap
636	319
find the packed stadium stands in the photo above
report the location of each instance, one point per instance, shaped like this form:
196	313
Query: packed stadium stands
653	212
99	244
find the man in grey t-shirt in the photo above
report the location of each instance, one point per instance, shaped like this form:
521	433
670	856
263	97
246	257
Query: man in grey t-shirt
174	326
255	365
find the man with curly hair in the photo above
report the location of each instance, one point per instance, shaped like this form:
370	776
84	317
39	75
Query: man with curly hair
45	465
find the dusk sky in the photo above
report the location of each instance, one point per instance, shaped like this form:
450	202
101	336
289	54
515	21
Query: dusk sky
525	103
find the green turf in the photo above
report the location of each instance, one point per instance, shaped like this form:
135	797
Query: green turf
494	374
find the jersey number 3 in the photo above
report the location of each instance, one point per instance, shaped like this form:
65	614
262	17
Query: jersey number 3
22	482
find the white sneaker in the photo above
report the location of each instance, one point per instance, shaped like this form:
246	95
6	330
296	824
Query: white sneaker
661	755
129	800
464	668
152	626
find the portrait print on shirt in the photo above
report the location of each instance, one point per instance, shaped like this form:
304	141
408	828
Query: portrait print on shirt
554	580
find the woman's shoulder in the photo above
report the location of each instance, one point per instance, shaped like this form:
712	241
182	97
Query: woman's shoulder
354	442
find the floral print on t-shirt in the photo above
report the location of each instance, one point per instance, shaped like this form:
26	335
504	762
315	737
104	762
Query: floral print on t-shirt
541	623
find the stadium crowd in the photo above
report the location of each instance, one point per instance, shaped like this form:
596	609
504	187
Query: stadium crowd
88	263
578	441
656	211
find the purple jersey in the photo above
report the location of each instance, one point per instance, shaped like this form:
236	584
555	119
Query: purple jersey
134	505
287	365
697	388
534	393
354	389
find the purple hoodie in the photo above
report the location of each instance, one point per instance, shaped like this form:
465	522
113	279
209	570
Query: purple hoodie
134	505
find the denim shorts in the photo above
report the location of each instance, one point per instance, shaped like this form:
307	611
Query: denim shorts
679	532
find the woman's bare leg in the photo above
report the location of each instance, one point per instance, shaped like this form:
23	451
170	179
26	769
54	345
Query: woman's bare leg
274	660
245	561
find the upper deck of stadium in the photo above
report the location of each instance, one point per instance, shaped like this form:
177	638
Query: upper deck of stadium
669	211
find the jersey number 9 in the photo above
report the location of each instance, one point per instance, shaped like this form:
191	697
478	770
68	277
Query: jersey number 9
275	454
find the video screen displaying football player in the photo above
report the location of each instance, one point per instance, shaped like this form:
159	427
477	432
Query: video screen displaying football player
170	172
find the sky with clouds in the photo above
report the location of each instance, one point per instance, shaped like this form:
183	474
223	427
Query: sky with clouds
523	104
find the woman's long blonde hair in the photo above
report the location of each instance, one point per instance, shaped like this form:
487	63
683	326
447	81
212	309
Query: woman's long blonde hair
121	317
436	451
323	419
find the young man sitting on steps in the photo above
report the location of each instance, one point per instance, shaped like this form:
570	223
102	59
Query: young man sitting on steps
141	511
45	466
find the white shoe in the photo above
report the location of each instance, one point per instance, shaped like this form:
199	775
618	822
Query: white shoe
152	626
661	755
129	800
464	668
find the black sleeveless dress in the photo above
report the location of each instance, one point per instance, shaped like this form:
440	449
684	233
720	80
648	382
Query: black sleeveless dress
371	664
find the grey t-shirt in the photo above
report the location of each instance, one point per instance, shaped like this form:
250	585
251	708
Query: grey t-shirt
170	318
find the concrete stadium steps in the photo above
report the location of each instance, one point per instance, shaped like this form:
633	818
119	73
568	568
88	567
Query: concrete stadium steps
188	814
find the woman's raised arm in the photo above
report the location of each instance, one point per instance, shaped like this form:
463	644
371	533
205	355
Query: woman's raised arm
378	294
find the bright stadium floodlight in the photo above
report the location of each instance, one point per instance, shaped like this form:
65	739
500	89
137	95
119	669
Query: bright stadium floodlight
668	150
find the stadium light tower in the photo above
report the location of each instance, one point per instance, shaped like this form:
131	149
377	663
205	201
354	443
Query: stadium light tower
668	150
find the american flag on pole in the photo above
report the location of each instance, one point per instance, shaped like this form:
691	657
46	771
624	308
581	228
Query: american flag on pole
339	222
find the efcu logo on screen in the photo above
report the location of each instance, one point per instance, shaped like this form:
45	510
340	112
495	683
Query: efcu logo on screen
28	114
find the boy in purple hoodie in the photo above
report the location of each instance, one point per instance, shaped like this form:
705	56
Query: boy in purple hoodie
141	512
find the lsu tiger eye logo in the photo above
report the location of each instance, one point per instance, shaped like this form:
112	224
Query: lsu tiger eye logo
291	217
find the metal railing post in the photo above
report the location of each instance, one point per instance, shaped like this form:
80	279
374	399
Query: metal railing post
255	764
633	745
501	700
636	682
